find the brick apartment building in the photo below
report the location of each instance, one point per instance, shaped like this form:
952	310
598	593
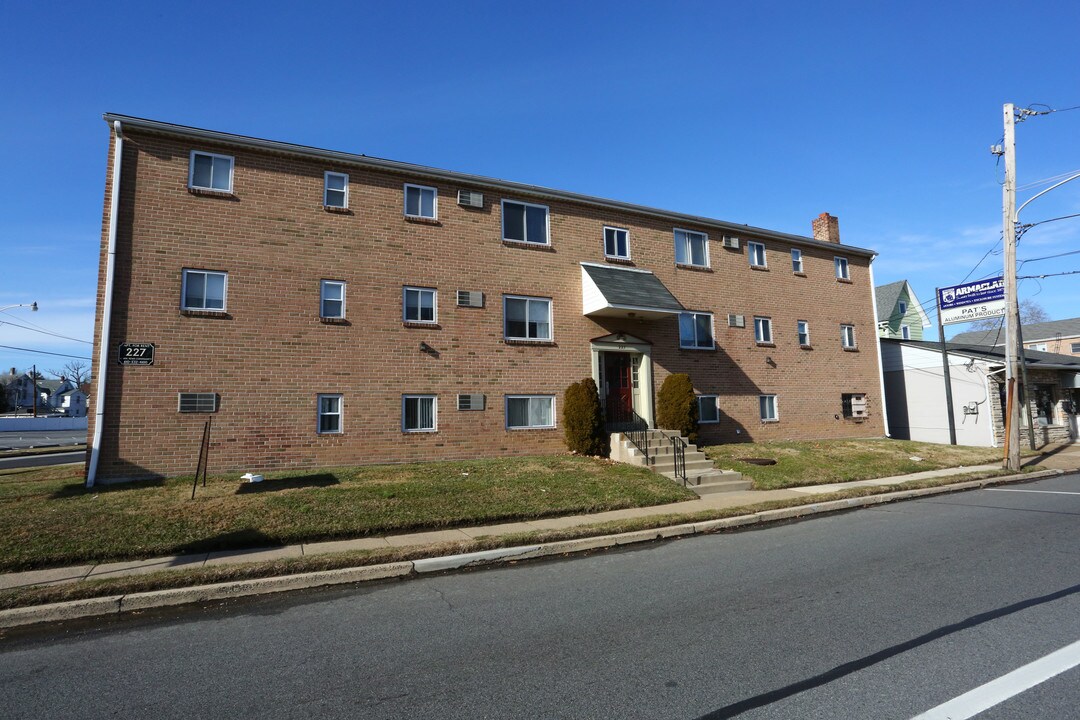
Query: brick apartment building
327	308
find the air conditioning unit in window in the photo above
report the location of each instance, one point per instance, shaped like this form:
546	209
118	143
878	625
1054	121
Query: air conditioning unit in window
858	406
470	402
736	321
731	242
470	298
469	198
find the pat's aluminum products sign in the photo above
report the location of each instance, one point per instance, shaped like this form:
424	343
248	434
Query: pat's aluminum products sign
136	354
972	301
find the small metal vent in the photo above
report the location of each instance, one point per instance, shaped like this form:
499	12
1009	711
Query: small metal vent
470	402
731	242
736	321
197	402
470	199
470	298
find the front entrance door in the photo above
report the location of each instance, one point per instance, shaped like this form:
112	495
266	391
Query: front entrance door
618	377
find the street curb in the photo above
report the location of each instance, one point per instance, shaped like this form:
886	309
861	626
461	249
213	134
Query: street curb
121	604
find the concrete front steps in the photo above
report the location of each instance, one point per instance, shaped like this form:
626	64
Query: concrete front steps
701	475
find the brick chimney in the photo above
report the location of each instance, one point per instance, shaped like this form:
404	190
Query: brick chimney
826	228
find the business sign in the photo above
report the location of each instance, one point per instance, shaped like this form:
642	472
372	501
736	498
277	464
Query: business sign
972	301
136	354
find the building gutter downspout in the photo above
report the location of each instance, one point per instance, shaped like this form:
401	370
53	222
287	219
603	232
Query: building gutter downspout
877	348
106	309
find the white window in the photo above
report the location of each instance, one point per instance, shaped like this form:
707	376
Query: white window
708	409
332	299
617	243
803	329
329	414
526	318
420	304
902	306
696	331
767	408
419	413
203	290
796	260
530	411
841	268
421	202
763	329
524	222
756	252
847	336
1041	347
691	248
905	332
335	190
208	171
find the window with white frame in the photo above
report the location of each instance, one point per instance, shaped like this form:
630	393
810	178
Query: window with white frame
696	331
842	272
530	411
847	336
767	408
803	329
332	299
905	332
526	318
208	171
617	243
1041	347
335	190
203	290
330	414
421	202
419	413
691	248
763	329
420	305
525	222
756	252
796	260
708	409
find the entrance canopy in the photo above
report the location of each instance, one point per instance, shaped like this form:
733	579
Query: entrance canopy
608	291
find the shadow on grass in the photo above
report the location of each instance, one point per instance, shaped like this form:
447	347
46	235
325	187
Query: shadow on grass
288	483
79	488
248	538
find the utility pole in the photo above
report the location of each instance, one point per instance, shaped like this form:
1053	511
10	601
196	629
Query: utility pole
33	383
1012	333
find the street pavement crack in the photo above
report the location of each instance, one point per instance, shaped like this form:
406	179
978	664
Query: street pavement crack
443	598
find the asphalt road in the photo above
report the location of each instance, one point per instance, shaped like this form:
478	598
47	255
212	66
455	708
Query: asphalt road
877	613
26	461
15	439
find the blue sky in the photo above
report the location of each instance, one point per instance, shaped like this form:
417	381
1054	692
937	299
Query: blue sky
763	113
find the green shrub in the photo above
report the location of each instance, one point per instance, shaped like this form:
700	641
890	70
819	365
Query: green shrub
676	406
582	421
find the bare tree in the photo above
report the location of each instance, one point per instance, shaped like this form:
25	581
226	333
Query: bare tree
1030	312
76	371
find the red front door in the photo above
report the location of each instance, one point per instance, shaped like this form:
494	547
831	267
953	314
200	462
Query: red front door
620	386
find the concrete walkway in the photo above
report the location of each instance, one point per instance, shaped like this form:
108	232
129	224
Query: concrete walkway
1063	457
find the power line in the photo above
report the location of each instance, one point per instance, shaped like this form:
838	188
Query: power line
1050	257
44	332
1040	277
43	352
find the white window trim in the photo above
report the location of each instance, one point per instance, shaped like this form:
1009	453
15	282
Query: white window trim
675	238
842	262
603	240
716	404
843	336
796	255
322	298
551	319
224	291
775	417
905	332
712	332
319	414
766	322
191	170
526	241
750	254
434	201
326	189
806	323
434	305
434	413
506	412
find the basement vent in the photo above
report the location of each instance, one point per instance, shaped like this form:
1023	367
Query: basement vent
470	298
197	402
470	199
736	321
470	402
731	242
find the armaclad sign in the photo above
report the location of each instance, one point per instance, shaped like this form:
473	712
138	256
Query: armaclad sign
972	301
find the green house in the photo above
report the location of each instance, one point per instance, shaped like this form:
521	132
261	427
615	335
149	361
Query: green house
899	313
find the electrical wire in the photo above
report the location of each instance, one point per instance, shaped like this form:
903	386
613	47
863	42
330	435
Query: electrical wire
44	332
1047	275
43	352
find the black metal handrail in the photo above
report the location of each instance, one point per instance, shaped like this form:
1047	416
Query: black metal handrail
633	426
678	451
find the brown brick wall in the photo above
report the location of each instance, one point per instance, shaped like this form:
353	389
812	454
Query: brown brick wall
270	355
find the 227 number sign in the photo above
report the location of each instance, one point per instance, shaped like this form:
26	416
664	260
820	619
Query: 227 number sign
136	354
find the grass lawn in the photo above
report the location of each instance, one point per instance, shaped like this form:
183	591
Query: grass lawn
48	519
816	462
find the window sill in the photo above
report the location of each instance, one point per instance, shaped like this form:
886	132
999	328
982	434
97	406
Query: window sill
760	268
419	432
207	192
770	422
519	341
337	210
765	344
845	281
218	314
850	349
698	349
418	324
799	273
542	247
334	321
618	260
533	429
695	268
806	347
422	220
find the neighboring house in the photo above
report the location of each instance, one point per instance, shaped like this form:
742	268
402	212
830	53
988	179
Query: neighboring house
20	390
56	390
899	313
1055	336
328	308
915	393
71	402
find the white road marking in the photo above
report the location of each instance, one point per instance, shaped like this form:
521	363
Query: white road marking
998	691
1044	492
